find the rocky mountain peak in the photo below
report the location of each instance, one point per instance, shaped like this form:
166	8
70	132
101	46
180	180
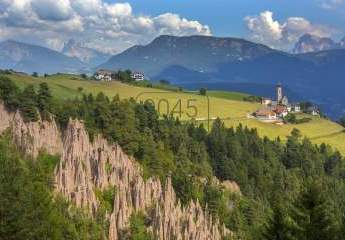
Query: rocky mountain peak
73	48
312	43
342	43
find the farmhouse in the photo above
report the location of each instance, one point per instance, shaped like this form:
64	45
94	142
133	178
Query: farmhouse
266	114
104	75
281	110
138	76
313	111
266	101
295	107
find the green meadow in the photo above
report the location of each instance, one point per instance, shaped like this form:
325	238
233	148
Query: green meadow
189	105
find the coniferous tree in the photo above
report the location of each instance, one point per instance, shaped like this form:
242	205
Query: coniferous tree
281	226
9	93
138	229
314	214
44	100
28	104
292	157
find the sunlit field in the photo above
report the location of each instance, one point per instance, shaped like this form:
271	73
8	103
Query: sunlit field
191	106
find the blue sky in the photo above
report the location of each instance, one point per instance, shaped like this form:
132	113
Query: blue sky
225	17
112	26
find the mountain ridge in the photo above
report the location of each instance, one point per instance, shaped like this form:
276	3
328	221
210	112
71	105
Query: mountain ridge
85	54
210	61
169	50
32	58
308	43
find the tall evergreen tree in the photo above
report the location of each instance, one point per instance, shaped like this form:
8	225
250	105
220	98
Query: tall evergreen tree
281	226
292	157
28	104
314	214
44	100
9	93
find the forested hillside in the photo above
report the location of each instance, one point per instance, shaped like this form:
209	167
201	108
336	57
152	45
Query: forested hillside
289	190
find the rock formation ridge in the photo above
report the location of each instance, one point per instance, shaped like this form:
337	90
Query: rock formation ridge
86	166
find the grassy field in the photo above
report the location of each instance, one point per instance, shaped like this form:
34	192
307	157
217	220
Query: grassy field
228	95
226	105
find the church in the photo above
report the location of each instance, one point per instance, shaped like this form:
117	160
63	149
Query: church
281	100
279	107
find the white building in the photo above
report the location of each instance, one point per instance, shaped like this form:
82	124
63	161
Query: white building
138	76
285	101
266	101
296	107
289	107
103	75
313	111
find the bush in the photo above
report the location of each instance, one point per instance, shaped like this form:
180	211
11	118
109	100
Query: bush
291	118
83	76
164	82
203	91
138	228
252	99
342	121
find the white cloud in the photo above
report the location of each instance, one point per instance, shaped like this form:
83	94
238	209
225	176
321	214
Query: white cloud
110	27
331	4
281	35
264	28
169	23
54	10
119	10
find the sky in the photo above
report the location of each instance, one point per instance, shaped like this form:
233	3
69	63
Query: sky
112	26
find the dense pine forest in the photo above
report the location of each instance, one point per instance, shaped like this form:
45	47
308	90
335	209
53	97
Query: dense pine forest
290	189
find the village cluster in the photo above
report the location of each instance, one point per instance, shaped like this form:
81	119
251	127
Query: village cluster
107	75
276	110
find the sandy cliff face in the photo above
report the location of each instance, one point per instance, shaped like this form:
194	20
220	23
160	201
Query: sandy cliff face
31	137
5	118
86	166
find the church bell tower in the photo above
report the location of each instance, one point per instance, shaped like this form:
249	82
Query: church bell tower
279	93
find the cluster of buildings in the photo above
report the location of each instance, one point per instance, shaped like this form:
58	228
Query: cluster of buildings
138	76
277	109
104	75
107	75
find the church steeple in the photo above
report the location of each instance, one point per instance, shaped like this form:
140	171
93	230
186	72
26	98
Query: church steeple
279	92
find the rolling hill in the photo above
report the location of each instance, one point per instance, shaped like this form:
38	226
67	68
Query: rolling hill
225	105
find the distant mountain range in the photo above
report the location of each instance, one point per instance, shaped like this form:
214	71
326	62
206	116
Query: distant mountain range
201	54
311	43
74	58
30	58
84	54
236	64
211	62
